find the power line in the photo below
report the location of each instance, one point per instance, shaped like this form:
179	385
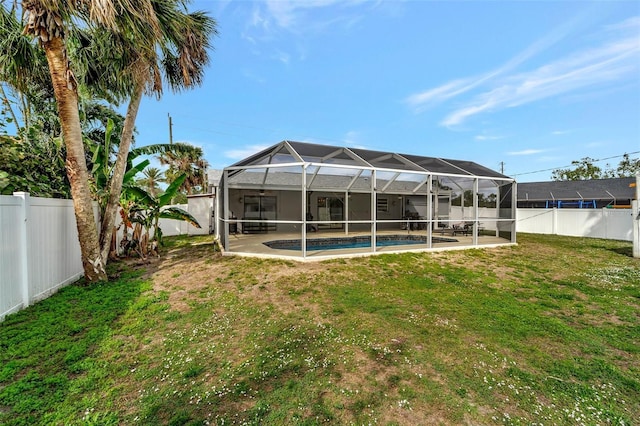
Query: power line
570	165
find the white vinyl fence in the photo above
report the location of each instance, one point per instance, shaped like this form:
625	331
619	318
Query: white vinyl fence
611	224
40	253
39	247
200	208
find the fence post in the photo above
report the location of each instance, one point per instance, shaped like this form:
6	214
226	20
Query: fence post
23	232
635	221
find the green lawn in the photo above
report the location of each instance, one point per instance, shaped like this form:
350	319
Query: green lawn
546	332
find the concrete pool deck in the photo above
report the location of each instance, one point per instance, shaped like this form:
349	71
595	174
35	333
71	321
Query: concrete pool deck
253	244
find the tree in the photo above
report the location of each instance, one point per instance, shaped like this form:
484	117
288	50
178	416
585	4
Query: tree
146	210
25	85
190	163
151	181
585	170
49	21
179	51
628	167
136	29
34	167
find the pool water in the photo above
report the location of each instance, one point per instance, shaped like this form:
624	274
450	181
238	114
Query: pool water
354	242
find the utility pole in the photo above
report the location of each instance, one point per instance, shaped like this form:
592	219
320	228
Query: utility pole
502	167
170	129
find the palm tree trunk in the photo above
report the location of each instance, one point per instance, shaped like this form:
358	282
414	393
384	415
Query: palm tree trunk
67	99
115	183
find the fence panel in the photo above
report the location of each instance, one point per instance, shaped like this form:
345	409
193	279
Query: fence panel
172	227
202	209
199	207
619	224
592	223
54	251
40	249
10	255
535	221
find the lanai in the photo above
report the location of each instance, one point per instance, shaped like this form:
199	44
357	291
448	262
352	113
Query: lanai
310	193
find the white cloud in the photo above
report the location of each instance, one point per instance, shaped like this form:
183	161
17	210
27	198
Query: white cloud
250	75
283	57
632	23
614	60
293	15
526	152
274	21
298	17
244	152
351	138
597	144
419	101
488	138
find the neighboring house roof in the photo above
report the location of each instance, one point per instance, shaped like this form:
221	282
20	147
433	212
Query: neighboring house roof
594	189
214	176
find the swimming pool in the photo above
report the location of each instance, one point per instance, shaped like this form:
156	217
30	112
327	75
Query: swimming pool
336	243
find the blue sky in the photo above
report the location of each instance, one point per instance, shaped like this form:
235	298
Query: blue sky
534	84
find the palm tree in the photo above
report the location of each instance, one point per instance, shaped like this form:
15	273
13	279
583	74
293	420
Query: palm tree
189	163
48	21
23	75
180	52
152	179
141	30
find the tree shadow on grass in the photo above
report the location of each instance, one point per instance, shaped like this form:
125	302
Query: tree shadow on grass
47	350
624	251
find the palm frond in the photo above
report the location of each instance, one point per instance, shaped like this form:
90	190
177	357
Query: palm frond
161	148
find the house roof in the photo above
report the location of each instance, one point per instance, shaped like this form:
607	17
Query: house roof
289	152
594	189
214	176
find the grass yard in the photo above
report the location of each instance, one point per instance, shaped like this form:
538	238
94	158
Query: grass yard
546	332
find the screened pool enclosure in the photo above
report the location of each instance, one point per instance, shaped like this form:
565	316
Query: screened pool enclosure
315	201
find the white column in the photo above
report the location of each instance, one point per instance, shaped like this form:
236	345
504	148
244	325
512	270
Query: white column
346	212
216	215
303	240
474	238
225	213
373	211
23	244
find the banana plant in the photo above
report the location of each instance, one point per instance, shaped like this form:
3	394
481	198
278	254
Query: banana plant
147	210
102	168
